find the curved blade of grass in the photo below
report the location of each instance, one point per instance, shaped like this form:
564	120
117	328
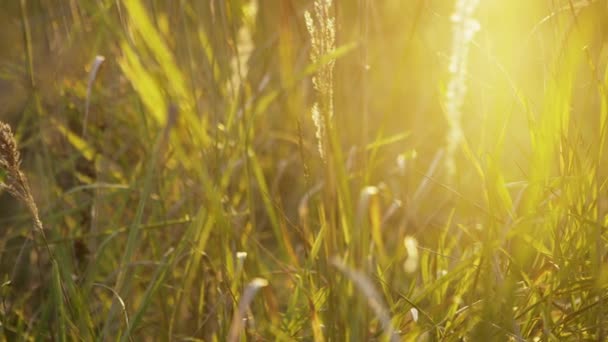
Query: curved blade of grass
92	76
157	280
120	300
374	299
237	320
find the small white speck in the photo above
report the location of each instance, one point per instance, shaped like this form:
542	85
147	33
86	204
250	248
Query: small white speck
414	313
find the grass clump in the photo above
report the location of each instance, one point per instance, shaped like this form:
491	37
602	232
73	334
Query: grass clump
187	195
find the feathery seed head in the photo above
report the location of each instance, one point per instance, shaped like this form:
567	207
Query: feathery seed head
317	119
9	155
15	182
322	38
9	163
464	27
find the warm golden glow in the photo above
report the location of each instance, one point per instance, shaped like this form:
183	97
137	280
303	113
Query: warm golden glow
304	170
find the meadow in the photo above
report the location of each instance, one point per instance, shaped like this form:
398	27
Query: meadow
303	170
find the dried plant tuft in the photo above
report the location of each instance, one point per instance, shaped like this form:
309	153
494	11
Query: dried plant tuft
14	180
322	37
9	155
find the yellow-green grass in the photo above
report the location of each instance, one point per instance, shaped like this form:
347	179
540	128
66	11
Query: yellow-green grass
202	202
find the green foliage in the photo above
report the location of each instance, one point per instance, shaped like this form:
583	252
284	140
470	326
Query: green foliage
209	201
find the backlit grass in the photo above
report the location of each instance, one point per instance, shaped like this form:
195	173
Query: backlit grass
304	170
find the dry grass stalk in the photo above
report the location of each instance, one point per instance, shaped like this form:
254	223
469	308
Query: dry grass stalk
15	181
322	37
464	27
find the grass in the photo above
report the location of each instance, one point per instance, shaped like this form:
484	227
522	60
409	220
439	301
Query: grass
304	170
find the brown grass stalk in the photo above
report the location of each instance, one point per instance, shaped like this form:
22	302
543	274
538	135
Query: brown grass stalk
15	182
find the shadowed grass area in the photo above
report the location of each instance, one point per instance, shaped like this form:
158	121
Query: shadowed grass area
303	170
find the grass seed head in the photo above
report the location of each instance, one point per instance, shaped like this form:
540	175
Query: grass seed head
9	155
464	27
322	37
15	182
